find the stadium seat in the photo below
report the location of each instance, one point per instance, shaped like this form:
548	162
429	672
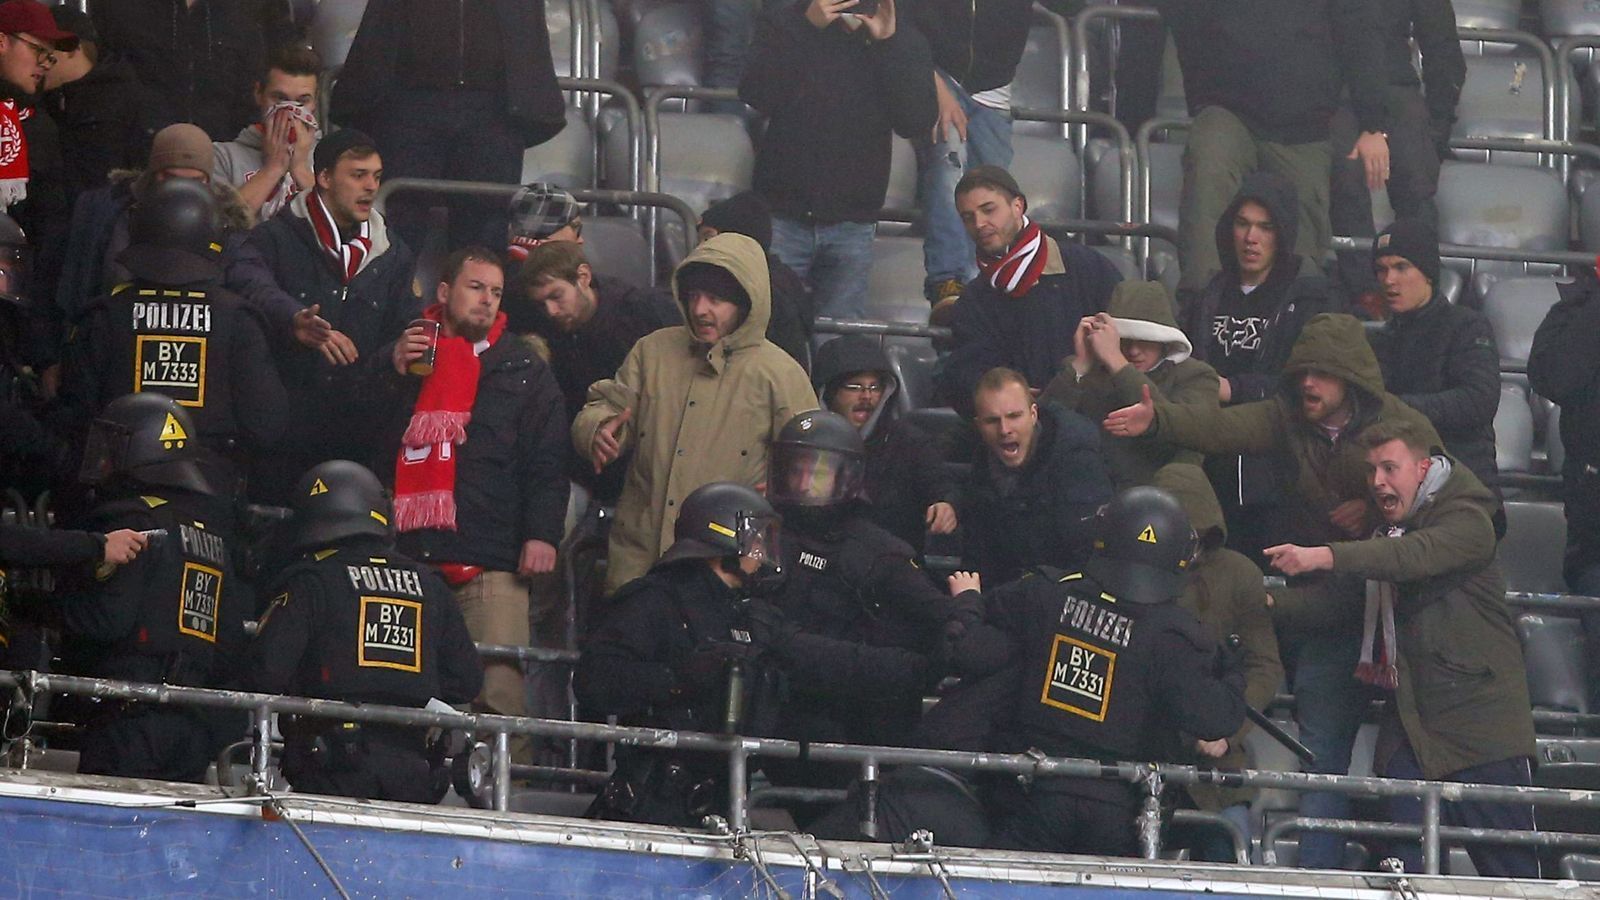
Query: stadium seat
1531	552
1515	307
1554	650
1450	285
1513	430
913	361
1037	84
1555	452
1503	97
902	192
1496	205
666	45
1589	217
566	159
1050	175
1121	258
616	246
1501	14
1562	18
333	29
705	157
894	289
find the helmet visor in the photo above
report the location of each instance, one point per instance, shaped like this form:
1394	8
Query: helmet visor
809	476
13	274
105	452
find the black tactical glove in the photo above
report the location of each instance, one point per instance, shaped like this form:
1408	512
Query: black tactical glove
769	628
706	669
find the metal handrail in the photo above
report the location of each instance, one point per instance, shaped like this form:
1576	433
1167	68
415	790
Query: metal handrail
630	107
1086	118
1141	142
1563	50
827	325
652	130
1557	149
1153	777
1081	89
1069	52
494	189
1396	830
1547	65
1483	254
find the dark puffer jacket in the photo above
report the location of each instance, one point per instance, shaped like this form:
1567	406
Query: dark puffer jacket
977	44
1564	365
1441	360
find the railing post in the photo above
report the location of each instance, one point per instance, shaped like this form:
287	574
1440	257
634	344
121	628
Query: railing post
502	771
261	751
1150	816
869	798
1430	831
738	774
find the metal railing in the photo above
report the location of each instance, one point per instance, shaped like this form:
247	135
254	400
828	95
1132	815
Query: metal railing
1563	51
1069	52
596	88
1127	164
648	199
1151	778
1547	67
1560	150
653	99
1082	91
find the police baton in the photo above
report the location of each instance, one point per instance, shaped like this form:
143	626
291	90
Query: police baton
1270	727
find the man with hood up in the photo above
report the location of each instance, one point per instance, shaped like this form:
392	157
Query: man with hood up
696	403
1439	638
1330	393
1134	343
1244	322
908	489
1226	594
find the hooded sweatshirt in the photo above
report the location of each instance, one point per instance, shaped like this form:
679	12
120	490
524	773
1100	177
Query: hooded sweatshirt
905	471
1320	471
699	413
1144	313
237	160
1225	593
1246	336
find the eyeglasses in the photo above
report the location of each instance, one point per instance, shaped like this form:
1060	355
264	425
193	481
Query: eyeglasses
46	56
856	387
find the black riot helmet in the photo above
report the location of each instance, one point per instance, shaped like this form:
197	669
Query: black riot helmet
338	500
174	234
1143	546
724	520
817	461
15	262
147	438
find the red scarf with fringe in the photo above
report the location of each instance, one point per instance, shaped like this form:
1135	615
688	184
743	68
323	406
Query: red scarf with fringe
347	255
425	469
1017	270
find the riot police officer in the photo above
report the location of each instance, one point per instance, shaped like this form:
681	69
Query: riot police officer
174	330
173	615
353	620
851	580
32	456
1108	667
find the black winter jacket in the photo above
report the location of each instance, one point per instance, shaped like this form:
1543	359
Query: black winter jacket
1432	24
1441	360
1047	515
511	478
98	117
977	44
1564	366
832	98
1280	67
372	79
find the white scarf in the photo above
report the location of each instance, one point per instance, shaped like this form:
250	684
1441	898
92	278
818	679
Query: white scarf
1383	671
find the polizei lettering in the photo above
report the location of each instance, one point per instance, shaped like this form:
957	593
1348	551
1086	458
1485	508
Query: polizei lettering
201	544
813	561
1096	621
194	318
384	580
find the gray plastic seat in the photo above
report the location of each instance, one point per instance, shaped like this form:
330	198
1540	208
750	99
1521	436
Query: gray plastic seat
1451	284
705	157
615	245
333	29
1589	218
1554	650
1503	96
1037	84
1531	552
1122	259
1499	205
1050	175
894	288
1561	18
1513	430
566	159
913	361
1502	14
1515	307
666	45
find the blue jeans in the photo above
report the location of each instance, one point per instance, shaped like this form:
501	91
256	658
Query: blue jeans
1329	704
1490	860
833	260
947	252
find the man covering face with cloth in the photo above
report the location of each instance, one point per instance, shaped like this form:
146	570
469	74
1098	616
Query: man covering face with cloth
1439	635
480	483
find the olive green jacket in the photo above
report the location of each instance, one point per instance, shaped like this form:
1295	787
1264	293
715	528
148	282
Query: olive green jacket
1463	694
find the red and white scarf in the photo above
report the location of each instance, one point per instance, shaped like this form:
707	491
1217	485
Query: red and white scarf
1377	666
1017	270
13	154
425	468
347	255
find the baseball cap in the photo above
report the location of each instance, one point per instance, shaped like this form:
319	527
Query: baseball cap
32	17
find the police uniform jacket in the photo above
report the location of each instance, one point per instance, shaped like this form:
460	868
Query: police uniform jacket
853	581
1462	700
1099	678
189	339
364	624
176	613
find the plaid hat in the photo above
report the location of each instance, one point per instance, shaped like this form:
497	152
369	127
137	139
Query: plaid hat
32	17
181	146
1413	240
333	146
539	210
744	213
